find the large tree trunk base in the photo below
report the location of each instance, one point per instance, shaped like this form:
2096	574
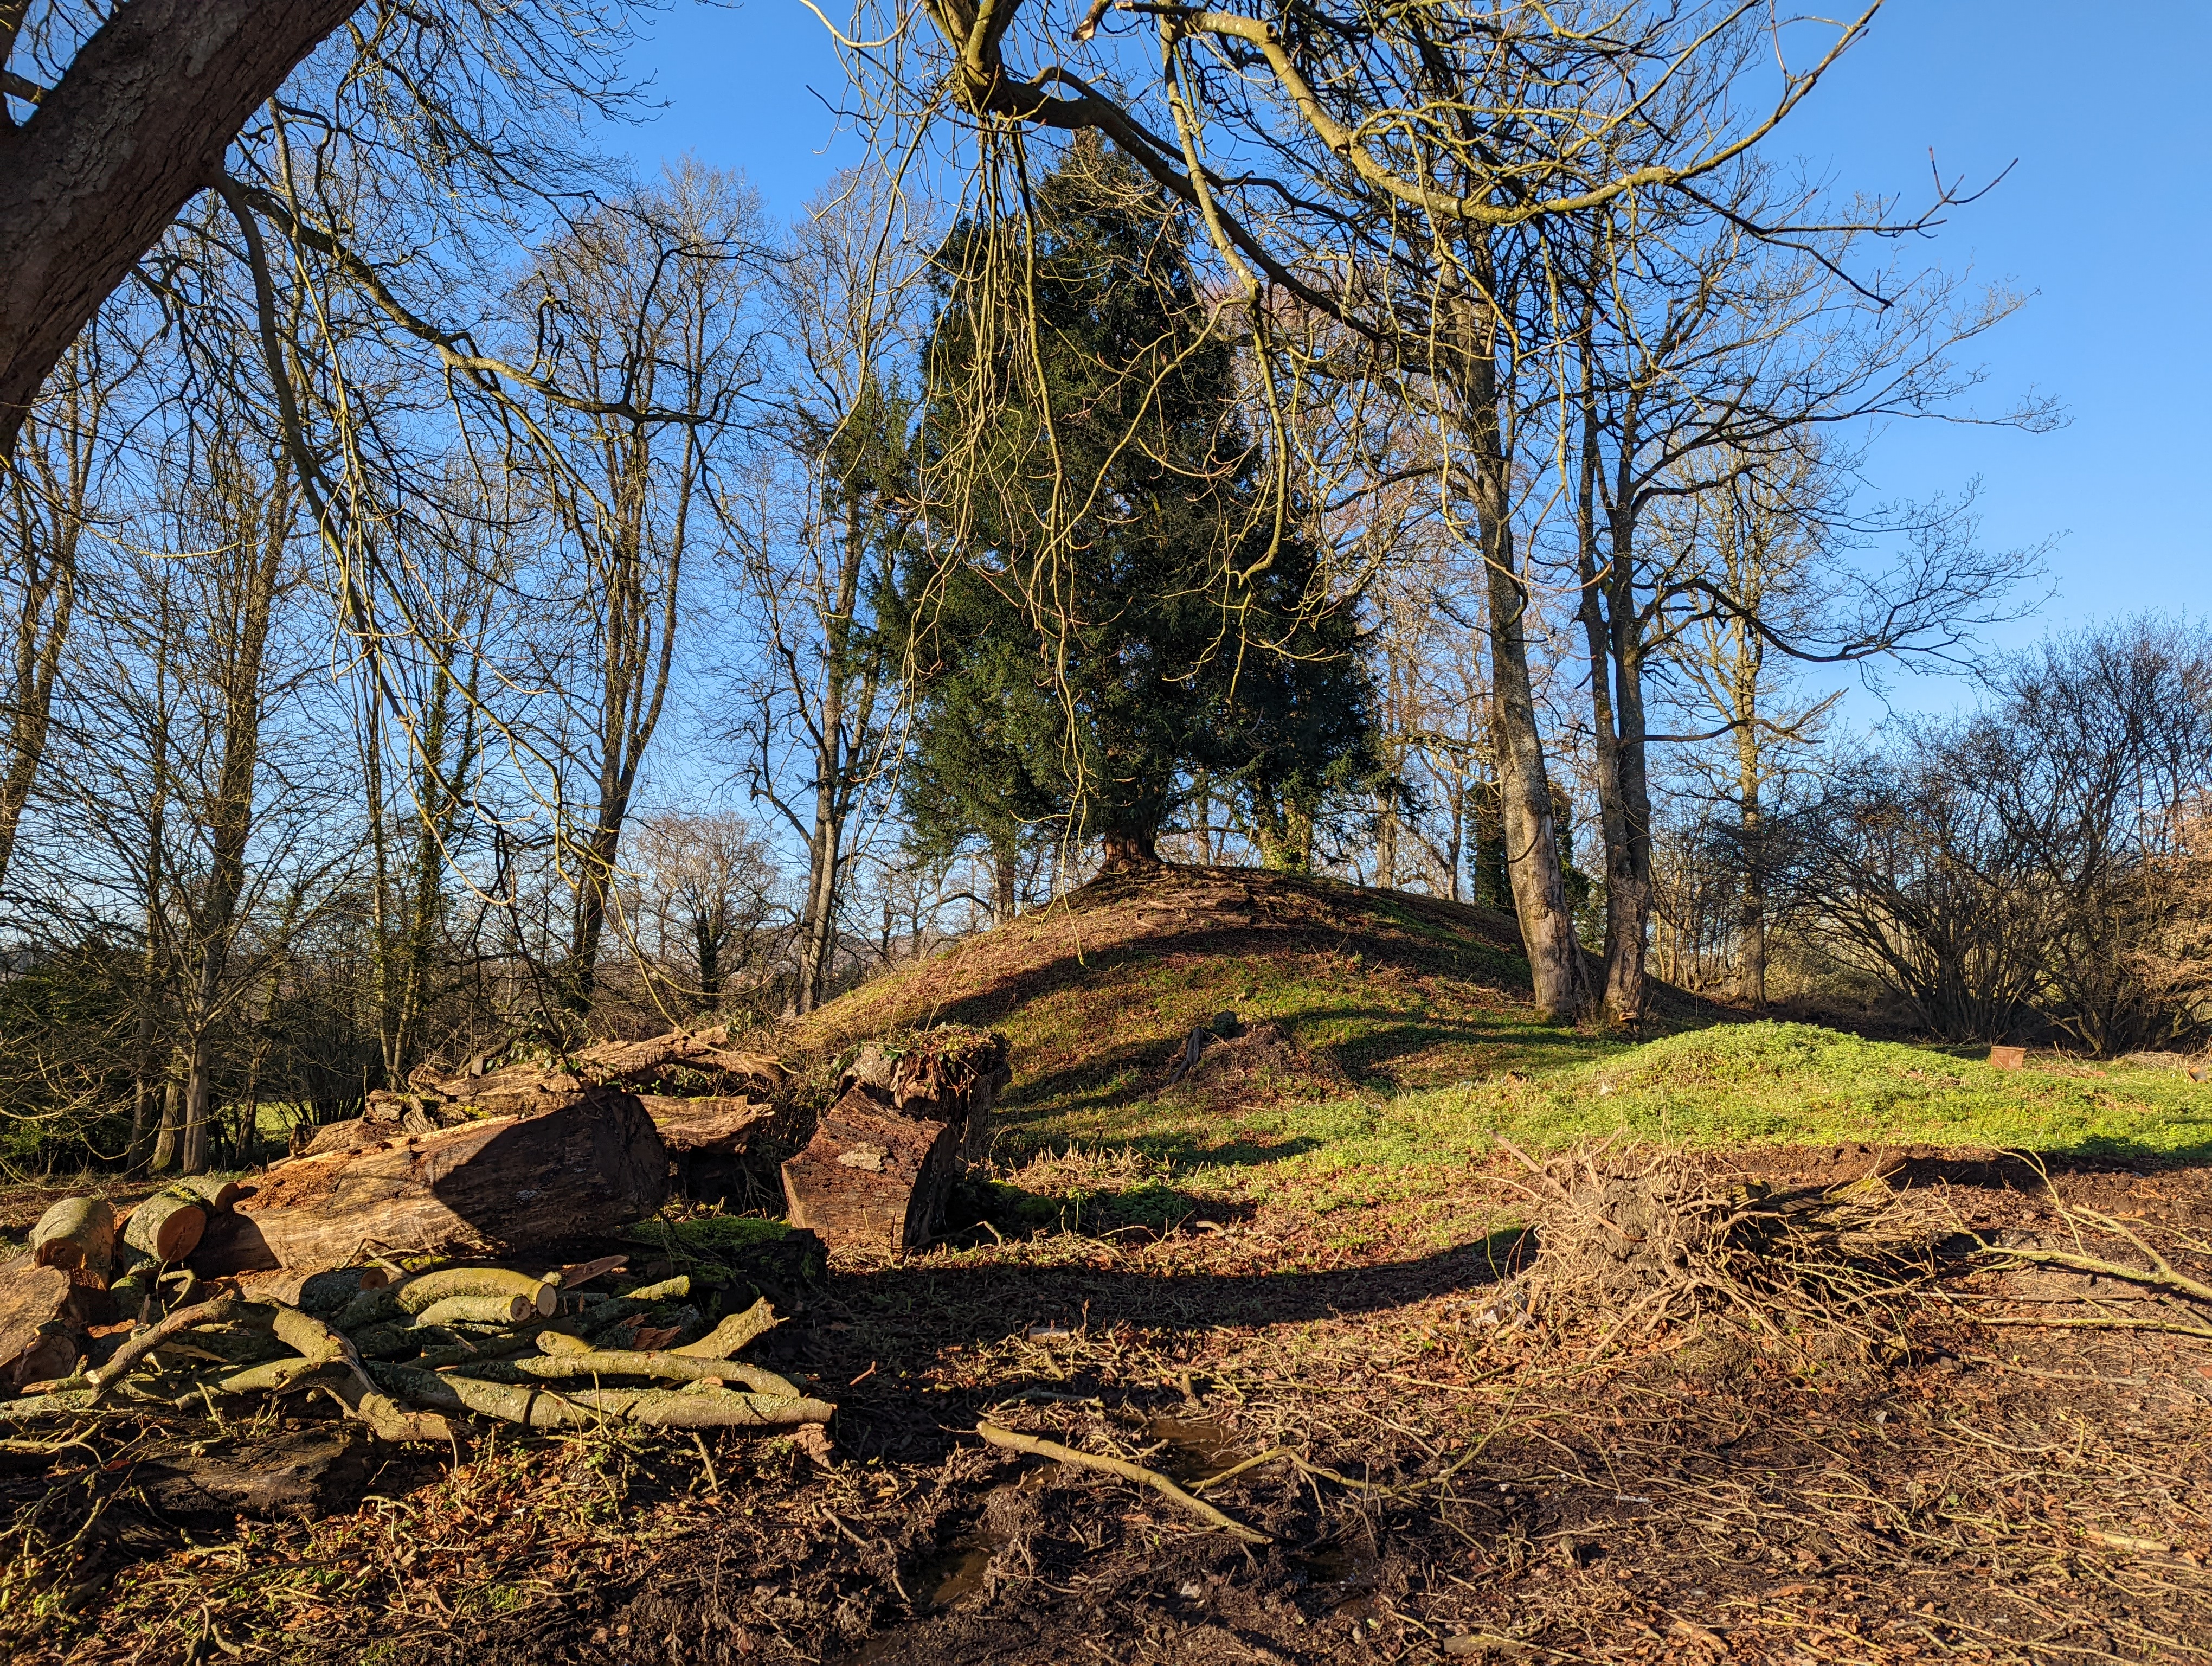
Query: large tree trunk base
487	1188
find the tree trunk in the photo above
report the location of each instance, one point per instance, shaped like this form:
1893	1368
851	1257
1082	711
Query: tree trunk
1750	927
1126	849
482	1188
167	1141
1557	982
1005	876
136	125
1556	974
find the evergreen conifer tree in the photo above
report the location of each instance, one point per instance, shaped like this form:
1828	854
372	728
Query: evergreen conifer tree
1113	606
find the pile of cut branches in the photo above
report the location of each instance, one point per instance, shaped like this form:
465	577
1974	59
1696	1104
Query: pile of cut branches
1644	1235
398	1347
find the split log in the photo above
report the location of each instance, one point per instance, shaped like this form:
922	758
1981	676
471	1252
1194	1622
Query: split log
77	1231
43	1311
487	1188
871	1180
168	1226
297	1478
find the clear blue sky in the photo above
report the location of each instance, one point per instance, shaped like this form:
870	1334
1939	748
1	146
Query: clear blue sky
2106	217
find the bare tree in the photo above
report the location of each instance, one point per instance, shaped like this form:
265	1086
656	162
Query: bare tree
700	906
823	519
641	304
46	507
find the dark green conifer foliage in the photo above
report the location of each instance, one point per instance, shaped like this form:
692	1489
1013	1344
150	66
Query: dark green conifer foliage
1117	609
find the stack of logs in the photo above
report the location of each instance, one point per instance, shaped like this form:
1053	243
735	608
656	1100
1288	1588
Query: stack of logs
399	1350
488	1163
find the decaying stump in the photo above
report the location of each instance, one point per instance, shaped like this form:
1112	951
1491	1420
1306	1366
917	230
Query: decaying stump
871	1179
875	1176
588	1164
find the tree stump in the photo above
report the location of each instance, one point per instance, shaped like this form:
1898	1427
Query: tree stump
871	1180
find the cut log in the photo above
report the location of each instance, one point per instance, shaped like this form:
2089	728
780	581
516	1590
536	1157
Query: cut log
871	1180
168	1227
44	1312
427	1289
217	1194
297	1477
77	1231
490	1187
714	1128
477	1311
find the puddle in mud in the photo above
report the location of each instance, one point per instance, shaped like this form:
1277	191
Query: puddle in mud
1336	1573
1196	1449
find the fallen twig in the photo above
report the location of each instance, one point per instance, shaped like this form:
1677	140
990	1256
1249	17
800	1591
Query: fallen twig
1037	1447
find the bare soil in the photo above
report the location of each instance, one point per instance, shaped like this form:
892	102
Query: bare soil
1990	1482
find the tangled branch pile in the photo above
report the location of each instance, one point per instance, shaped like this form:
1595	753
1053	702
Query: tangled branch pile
1644	1235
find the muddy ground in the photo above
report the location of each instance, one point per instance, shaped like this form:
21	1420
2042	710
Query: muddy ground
1991	1473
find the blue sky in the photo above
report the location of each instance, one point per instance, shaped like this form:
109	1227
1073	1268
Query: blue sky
2106	216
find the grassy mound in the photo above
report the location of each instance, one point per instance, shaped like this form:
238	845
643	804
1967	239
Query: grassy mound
1391	1047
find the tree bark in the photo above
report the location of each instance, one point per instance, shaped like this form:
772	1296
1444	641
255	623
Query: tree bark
1558	984
137	125
487	1188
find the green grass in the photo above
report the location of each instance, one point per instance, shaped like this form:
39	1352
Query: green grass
1417	1009
1737	1084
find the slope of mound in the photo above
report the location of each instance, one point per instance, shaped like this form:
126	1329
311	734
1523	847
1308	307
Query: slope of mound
1357	988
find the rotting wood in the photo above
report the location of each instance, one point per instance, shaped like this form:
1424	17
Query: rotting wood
871	1180
44	1314
589	1165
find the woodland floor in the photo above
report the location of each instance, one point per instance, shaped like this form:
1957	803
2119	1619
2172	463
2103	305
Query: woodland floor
1960	1490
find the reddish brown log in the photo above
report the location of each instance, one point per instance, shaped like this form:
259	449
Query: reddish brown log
487	1189
720	1127
43	1311
871	1180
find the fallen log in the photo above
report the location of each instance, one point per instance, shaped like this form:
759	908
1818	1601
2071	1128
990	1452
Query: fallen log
486	1187
297	1477
871	1180
43	1311
77	1231
167	1226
